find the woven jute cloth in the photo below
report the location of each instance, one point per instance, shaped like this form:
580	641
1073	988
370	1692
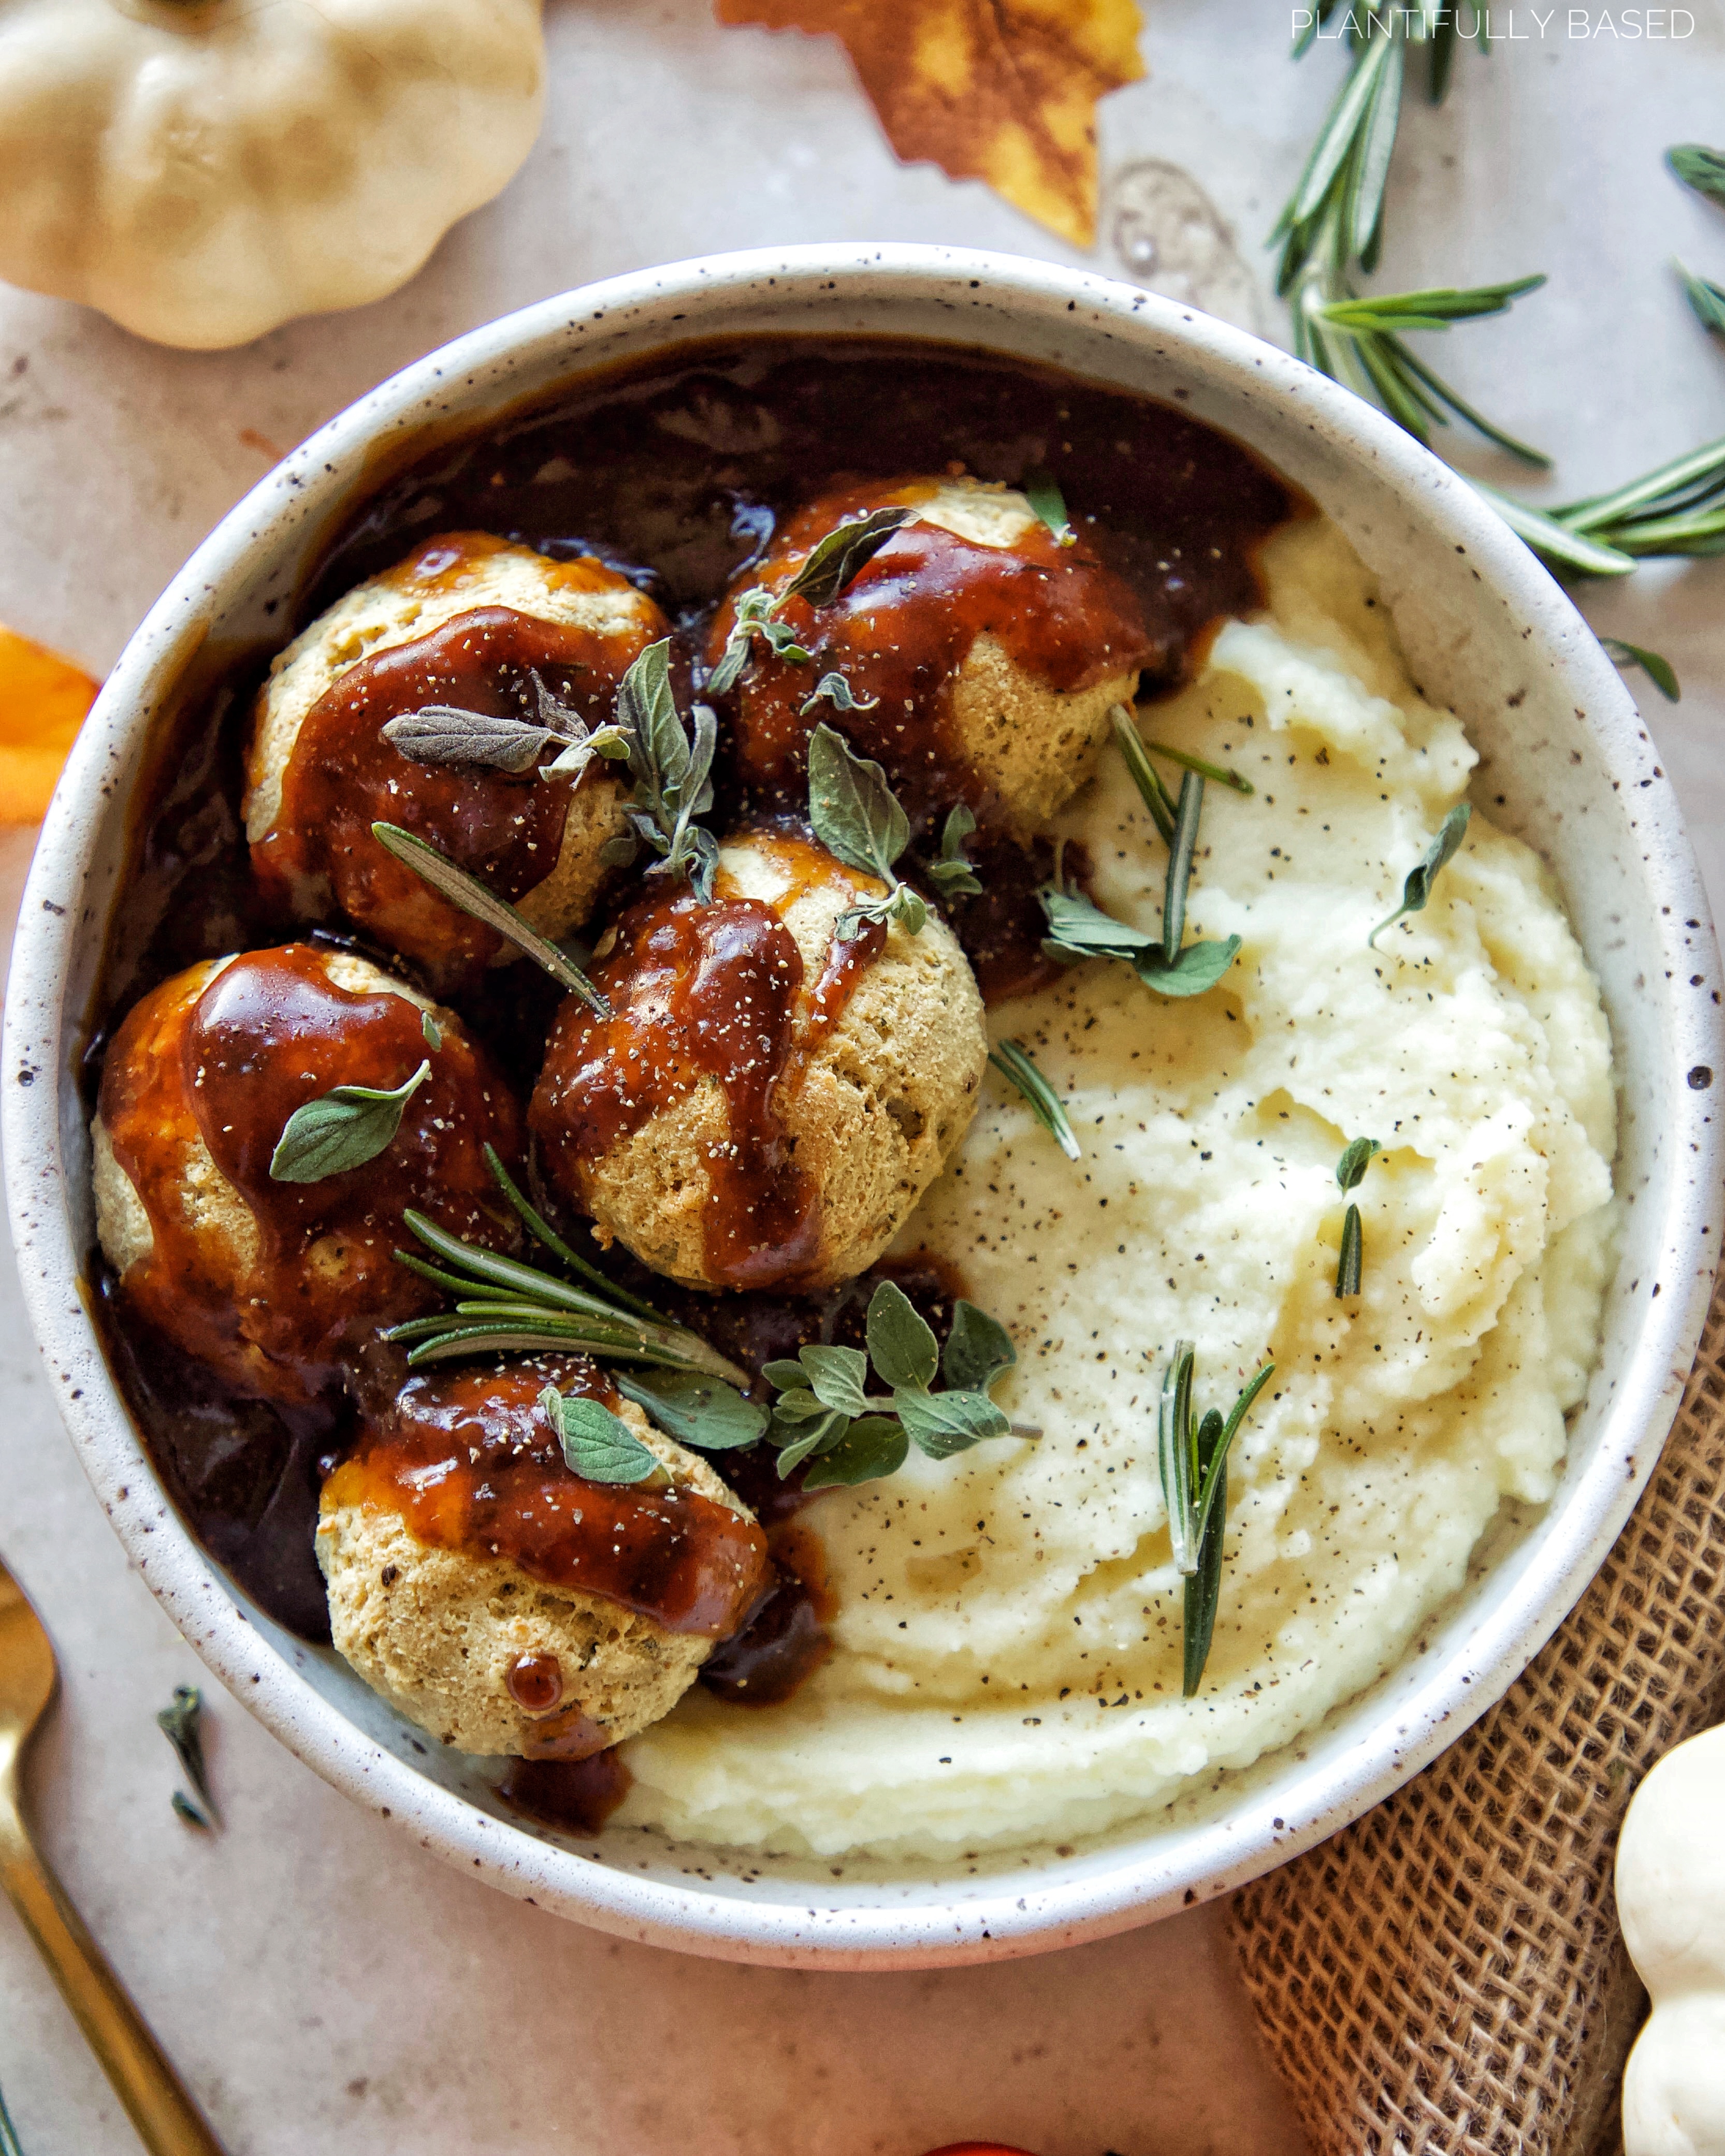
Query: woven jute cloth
1445	1977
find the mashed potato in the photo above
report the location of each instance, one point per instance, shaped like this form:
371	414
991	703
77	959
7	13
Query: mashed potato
1009	1634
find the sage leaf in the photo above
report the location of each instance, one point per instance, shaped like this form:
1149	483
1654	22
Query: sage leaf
838	1376
598	1445
1198	966
469	896
942	1424
855	814
1079	929
1042	491
1417	889
901	1346
1659	671
873	1446
837	691
181	1722
431	1030
1013	1063
700	1411
848	548
341	1130
444	733
978	1349
1351	1168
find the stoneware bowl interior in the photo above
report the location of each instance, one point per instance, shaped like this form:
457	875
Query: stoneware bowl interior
1565	764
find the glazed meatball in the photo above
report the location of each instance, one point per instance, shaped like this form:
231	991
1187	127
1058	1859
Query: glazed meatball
768	1102
502	1601
276	1284
469	622
987	655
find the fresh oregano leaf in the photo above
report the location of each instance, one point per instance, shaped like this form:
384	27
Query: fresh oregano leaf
978	1349
901	1346
1351	1168
813	1437
834	689
798	1403
855	814
873	1447
1043	493
1417	889
341	1130
1014	1063
951	875
839	1377
1198	966
598	1445
847	549
697	1410
785	1374
942	1424
431	1031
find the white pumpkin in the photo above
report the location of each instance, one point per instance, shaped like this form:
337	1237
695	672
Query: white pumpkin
203	169
1671	1902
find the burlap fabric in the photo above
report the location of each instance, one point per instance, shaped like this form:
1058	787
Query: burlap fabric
1445	1977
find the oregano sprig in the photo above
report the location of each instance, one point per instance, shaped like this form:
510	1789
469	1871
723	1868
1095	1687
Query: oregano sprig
1193	1455
831	563
1416	889
859	818
951	872
826	1414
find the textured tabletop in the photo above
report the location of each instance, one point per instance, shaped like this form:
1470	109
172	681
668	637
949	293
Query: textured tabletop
324	1985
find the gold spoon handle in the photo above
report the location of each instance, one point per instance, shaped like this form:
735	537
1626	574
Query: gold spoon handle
169	2123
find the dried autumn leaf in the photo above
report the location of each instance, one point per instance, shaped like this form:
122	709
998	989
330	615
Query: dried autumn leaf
42	702
1000	91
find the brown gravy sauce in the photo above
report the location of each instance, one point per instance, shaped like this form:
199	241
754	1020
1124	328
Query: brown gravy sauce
224	1064
676	473
706	991
899	634
504	827
465	1455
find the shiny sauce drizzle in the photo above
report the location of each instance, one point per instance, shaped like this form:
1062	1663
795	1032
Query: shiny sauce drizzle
900	630
468	1460
504	827
227	1061
707	992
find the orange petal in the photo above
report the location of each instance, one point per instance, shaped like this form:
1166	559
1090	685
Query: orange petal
42	702
1000	91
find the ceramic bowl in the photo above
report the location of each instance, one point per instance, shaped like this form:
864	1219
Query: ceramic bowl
1566	764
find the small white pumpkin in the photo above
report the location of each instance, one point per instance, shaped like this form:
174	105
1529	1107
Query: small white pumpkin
1671	1902
203	169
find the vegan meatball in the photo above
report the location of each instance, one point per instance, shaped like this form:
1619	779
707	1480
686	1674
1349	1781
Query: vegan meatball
980	653
277	1283
503	1602
470	624
769	1101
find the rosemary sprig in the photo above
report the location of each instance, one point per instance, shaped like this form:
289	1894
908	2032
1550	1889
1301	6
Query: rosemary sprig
1332	226
470	897
1014	1064
10	2145
1193	1456
1658	670
1699	167
1705	298
505	1306
1416	887
825	1412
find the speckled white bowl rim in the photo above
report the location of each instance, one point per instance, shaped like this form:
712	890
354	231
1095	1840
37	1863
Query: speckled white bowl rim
1303	1794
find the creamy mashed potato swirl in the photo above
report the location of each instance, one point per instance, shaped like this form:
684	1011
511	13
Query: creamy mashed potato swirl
1008	1637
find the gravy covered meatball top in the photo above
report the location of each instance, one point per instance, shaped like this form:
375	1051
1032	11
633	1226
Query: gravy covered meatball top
467	625
980	653
277	1282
